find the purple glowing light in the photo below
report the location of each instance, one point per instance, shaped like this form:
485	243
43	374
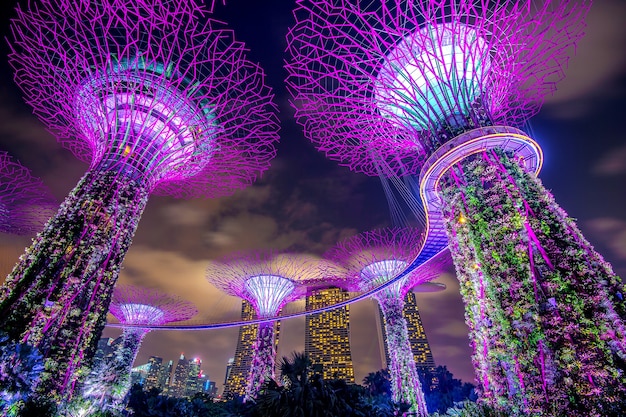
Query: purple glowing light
377	257
166	93
409	85
134	305
373	259
25	203
269	291
267	280
387	86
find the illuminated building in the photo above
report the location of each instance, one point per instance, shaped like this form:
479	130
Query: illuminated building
239	369
441	89
154	379
178	385
327	335
193	383
156	98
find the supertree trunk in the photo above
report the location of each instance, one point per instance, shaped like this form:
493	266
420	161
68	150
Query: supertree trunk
554	308
264	355
125	357
473	288
405	383
57	297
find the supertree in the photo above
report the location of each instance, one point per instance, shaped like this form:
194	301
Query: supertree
132	306
375	258
25	202
158	98
440	88
268	281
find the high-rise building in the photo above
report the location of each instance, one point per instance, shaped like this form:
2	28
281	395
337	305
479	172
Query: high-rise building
206	385
166	377
417	336
178	384
139	374
327	336
239	370
155	373
229	367
193	383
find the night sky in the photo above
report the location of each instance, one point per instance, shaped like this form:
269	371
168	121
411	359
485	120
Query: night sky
305	203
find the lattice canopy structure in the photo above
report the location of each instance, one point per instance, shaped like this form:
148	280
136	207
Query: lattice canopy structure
440	88
387	83
376	258
268	281
156	97
25	202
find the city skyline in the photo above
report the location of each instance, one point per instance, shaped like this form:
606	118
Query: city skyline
585	166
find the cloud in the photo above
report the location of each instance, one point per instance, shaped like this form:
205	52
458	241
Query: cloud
598	61
612	163
611	232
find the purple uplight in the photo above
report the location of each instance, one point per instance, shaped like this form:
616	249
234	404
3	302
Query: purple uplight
269	291
267	280
388	85
134	305
376	257
25	203
151	86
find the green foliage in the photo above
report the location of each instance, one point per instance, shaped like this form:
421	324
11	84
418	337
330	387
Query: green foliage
545	311
471	409
20	369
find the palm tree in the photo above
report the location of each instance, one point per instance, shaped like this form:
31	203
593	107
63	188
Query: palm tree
305	393
378	383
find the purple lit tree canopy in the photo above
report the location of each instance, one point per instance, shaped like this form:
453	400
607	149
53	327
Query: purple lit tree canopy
440	88
134	306
390	84
268	281
157	98
25	203
373	259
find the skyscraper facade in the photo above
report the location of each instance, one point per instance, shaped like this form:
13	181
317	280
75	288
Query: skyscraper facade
239	369
417	336
178	385
193	383
327	335
155	374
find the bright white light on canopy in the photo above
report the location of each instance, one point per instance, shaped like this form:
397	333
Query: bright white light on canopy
141	314
434	74
269	292
380	272
149	118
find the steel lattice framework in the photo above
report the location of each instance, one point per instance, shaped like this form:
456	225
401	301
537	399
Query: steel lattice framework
440	88
375	258
25	202
268	281
156	97
389	82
